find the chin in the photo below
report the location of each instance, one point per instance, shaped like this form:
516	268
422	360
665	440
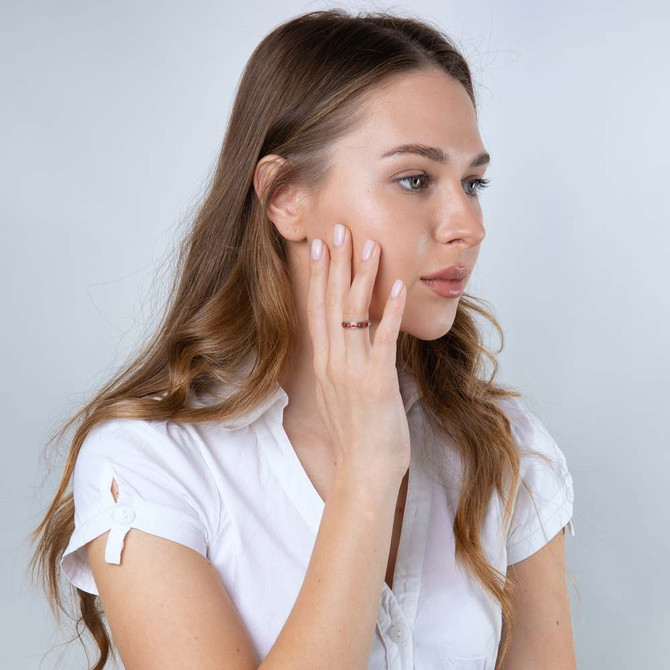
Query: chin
429	329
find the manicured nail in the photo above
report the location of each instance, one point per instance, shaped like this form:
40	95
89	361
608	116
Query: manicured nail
338	237
317	248
397	287
367	249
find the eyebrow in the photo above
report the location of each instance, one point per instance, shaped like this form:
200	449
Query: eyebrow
434	154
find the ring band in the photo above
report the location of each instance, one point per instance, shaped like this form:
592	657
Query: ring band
355	324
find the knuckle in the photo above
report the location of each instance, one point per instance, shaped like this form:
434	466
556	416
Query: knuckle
319	370
370	266
355	311
332	300
384	337
313	292
335	373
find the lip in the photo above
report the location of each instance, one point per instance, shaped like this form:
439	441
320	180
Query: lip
452	272
447	288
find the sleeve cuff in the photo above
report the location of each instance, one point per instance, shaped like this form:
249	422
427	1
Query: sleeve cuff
119	519
541	535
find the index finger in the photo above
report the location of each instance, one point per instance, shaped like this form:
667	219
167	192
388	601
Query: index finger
316	304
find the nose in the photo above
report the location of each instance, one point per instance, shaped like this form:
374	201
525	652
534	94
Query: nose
461	222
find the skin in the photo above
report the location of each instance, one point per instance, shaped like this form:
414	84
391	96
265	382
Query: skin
420	225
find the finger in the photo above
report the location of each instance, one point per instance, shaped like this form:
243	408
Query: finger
316	306
357	306
383	355
339	283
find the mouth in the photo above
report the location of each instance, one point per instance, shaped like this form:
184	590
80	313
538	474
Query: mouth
448	282
458	272
447	288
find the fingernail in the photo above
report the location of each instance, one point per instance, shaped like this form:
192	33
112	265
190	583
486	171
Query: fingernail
367	249
317	248
338	237
397	287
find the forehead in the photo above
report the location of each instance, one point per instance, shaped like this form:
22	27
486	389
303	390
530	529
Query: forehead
429	108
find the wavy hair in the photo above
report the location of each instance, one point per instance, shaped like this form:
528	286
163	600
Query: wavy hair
303	87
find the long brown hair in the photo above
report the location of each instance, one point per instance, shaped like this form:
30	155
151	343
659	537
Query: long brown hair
303	87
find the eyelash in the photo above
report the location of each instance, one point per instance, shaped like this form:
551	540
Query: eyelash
480	184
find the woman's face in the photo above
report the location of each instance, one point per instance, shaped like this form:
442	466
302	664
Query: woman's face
424	213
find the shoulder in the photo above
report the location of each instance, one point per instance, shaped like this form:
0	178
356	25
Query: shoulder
530	433
148	475
543	499
137	433
146	443
150	458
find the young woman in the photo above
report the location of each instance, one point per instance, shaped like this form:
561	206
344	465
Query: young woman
305	467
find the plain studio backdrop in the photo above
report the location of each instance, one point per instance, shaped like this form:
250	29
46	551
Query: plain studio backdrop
112	117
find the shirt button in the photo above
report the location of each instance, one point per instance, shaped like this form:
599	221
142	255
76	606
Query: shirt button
123	513
398	632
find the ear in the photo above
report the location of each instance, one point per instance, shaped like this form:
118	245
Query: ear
287	205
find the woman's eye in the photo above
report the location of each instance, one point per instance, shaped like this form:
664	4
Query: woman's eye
479	185
413	179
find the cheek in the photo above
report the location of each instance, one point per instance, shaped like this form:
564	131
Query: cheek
369	215
398	262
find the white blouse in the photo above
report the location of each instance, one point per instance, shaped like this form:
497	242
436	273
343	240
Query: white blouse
236	492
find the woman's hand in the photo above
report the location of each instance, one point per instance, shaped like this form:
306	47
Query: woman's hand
358	393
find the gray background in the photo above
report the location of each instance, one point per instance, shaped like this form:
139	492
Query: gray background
113	116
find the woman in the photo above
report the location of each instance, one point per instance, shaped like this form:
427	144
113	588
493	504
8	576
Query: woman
277	481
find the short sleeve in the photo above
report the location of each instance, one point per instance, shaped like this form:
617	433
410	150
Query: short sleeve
537	519
164	488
